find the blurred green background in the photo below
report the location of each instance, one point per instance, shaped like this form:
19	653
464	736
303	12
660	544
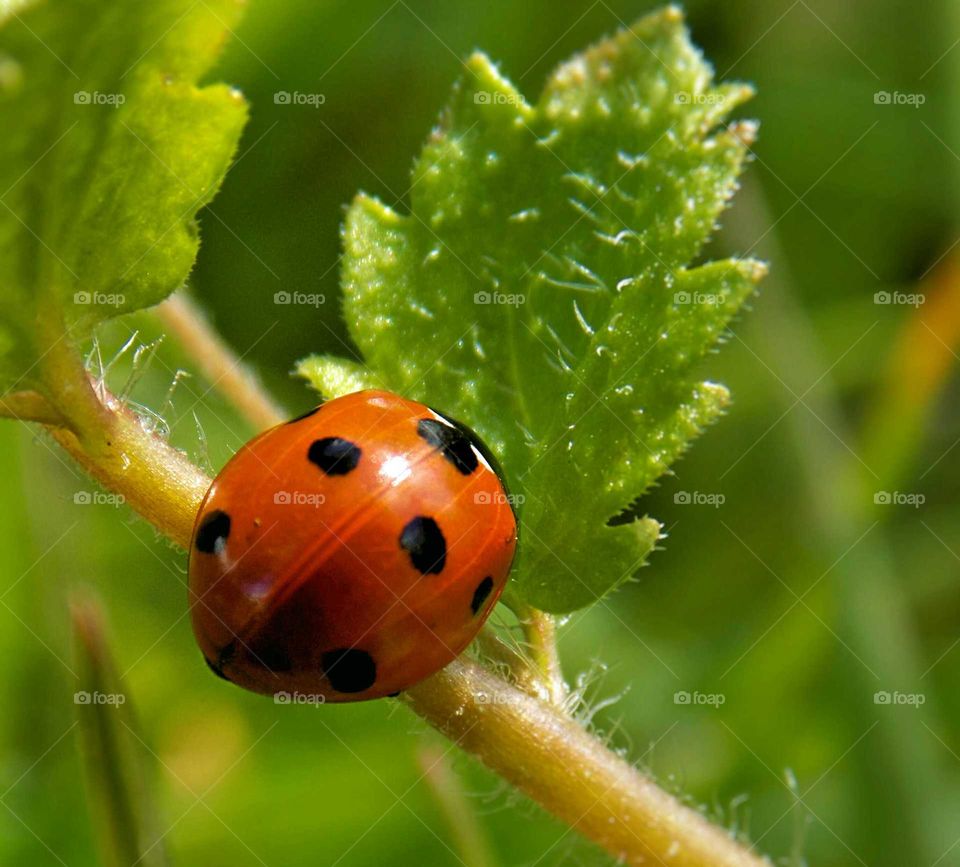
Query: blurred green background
796	600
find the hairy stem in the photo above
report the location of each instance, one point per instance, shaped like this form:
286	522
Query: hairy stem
113	446
565	769
157	480
526	738
540	631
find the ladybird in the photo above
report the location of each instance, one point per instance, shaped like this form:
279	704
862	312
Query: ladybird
351	552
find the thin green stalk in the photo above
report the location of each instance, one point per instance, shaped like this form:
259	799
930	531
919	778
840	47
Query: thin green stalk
120	803
218	363
545	672
472	845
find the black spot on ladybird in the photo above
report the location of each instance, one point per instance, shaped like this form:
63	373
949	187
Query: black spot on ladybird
271	655
474	439
334	455
451	441
215	669
481	593
482	449
307	414
422	540
349	669
224	657
213	532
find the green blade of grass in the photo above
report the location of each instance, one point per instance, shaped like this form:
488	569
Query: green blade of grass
122	812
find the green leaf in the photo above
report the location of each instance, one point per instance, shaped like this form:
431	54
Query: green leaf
541	288
109	149
338	375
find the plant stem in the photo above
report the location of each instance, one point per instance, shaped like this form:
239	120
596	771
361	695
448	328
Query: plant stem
472	846
569	772
29	406
218	362
532	743
529	742
540	630
117	774
65	384
110	443
157	480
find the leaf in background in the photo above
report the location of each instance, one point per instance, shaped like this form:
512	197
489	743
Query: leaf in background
541	291
121	808
109	149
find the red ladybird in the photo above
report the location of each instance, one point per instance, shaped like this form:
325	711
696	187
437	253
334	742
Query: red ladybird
351	552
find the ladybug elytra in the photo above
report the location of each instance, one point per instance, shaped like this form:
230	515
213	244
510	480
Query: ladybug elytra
351	552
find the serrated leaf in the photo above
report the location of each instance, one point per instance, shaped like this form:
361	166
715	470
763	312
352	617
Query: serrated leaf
540	289
334	377
109	150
